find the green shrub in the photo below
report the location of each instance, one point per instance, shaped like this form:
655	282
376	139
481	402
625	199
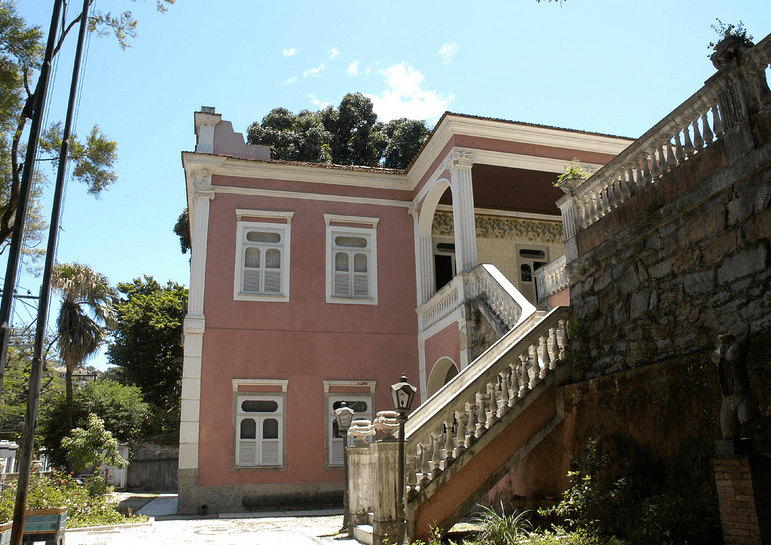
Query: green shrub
503	529
61	490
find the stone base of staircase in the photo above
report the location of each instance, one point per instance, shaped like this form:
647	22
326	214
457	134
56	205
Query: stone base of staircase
363	533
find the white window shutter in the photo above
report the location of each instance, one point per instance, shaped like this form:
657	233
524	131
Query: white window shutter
247	452
272	281
271	455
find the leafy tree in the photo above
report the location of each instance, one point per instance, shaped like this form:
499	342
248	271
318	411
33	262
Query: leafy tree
85	313
121	408
182	230
92	446
21	54
347	135
15	391
147	341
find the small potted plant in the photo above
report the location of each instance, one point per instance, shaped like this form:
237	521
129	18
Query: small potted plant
572	177
732	41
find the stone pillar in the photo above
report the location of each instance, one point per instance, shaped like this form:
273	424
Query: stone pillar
194	327
459	164
205	121
361	482
745	517
385	523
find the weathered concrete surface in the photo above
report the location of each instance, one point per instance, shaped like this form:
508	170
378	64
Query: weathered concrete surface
309	529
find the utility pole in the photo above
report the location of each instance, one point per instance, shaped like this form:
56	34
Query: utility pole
36	372
14	250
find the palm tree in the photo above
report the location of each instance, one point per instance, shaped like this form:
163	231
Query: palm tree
84	318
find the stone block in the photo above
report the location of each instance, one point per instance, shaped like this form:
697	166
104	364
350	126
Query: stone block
713	250
638	304
759	227
629	281
742	264
699	282
661	269
739	209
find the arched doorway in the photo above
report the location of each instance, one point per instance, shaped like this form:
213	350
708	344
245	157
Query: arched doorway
442	373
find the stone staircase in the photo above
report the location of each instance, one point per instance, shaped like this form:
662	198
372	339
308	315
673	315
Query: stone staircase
467	436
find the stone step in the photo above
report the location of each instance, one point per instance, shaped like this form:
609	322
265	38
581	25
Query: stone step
363	533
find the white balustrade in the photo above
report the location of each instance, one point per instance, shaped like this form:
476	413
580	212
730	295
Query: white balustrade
485	282
691	128
551	279
478	398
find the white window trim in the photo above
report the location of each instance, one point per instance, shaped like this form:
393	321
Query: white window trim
285	230
331	397
239	415
368	232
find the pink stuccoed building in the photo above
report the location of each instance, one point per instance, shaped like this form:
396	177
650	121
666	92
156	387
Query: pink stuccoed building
316	284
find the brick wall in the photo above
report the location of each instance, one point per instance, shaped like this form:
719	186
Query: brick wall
739	517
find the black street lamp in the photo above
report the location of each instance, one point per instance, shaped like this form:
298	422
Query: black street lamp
344	416
402	393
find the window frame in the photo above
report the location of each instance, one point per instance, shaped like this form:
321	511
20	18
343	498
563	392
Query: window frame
366	392
334	229
274	390
284	229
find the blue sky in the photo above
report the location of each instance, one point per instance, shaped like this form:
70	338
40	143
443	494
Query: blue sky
609	66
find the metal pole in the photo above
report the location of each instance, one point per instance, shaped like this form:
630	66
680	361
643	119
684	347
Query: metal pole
14	250
400	480
346	505
36	373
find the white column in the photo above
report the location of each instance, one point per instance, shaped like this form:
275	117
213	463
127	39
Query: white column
459	164
195	324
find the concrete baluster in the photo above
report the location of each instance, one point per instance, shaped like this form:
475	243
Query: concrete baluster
491	406
646	171
679	151
448	447
554	346
543	342
717	121
470	425
513	384
503	396
671	159
706	131
523	376
655	170
533	368
689	149
698	141
460	434
480	425
436	461
424	466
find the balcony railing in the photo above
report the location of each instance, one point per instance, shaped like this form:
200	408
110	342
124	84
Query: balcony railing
550	279
485	282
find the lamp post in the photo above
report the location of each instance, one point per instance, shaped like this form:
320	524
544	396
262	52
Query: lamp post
344	416
402	394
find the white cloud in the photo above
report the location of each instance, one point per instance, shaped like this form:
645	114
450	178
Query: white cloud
291	81
316	102
314	72
447	52
405	96
353	68
289	52
333	54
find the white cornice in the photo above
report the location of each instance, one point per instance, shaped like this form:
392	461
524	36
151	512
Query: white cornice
337	218
279	194
510	132
244	168
274	214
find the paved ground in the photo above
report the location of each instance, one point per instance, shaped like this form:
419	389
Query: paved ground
301	528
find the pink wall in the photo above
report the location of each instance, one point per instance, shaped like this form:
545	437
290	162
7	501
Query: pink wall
305	340
559	299
443	344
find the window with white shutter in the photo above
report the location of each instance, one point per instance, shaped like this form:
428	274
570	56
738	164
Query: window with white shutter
362	408
351	264
259	430
262	265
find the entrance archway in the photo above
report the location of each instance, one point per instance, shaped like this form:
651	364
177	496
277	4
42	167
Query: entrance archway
442	373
